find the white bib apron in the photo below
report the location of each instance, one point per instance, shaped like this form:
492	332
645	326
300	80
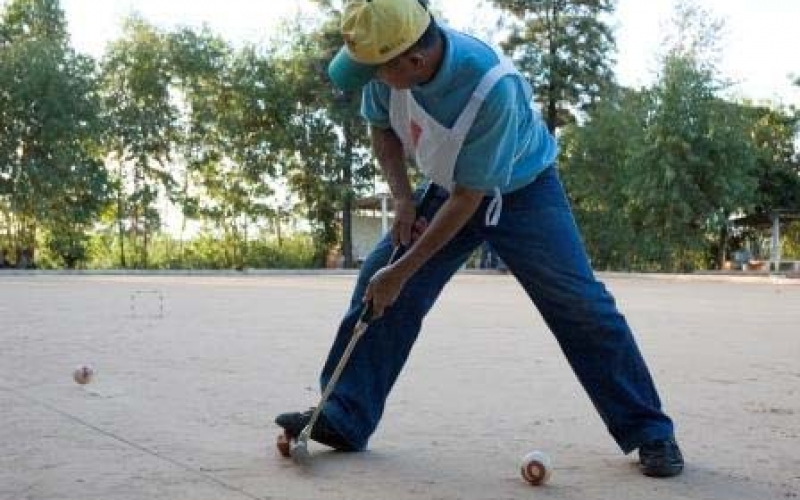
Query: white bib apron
434	147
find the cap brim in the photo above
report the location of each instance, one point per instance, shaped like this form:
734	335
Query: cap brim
349	74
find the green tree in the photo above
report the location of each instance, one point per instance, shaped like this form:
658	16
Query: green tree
34	20
565	48
142	128
656	175
696	34
773	133
51	172
695	169
329	164
595	164
237	130
199	61
254	129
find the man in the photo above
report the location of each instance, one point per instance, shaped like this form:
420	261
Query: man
463	113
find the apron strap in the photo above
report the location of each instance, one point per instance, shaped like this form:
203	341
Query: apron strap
467	117
495	208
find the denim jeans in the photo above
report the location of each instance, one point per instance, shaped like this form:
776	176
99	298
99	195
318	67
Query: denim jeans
537	239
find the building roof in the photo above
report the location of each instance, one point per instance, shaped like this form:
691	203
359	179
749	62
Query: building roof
764	219
374	202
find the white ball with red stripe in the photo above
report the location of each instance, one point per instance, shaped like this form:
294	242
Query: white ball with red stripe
536	467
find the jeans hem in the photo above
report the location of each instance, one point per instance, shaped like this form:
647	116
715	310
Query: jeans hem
634	441
338	420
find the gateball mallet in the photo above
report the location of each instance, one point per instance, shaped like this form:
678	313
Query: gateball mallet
299	448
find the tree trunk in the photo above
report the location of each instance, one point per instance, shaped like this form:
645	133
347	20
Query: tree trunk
552	100
347	205
120	219
144	245
278	228
723	246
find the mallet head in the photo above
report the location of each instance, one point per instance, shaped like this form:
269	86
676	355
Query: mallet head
299	451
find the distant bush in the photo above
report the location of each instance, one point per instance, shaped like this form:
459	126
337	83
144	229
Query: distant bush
791	241
203	252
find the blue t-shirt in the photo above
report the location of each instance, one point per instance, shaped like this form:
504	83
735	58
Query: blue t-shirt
508	144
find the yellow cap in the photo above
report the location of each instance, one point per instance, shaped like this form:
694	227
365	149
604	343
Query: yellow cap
375	31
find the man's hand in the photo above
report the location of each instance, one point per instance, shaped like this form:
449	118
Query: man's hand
419	227
405	212
406	229
384	288
386	284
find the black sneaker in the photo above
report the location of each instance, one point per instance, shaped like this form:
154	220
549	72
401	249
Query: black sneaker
295	422
660	458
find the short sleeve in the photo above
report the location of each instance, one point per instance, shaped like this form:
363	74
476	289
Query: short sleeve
375	104
487	155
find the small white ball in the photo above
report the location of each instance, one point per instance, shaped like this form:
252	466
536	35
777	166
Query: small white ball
536	468
83	374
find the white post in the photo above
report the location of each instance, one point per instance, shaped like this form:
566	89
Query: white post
384	213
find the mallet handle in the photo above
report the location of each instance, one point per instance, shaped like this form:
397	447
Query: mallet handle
399	250
361	327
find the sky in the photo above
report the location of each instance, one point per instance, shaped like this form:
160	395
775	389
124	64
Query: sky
760	42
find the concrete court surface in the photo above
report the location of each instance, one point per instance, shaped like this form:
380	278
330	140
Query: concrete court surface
192	369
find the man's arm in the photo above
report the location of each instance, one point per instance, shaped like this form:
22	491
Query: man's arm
451	217
388	149
455	212
387	283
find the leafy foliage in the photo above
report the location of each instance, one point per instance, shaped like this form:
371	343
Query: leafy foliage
142	129
233	128
565	49
244	141
773	133
51	171
596	168
207	251
658	175
329	163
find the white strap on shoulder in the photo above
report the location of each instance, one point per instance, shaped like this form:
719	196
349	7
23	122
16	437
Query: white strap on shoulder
467	117
495	208
503	68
